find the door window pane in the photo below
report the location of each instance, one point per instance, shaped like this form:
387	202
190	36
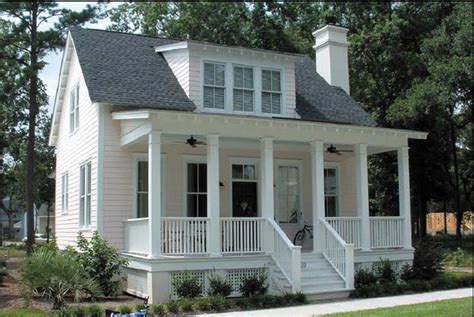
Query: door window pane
289	194
331	192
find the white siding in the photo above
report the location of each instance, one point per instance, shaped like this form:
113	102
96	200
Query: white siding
73	150
179	64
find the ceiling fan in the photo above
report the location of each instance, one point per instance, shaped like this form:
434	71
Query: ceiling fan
194	142
333	150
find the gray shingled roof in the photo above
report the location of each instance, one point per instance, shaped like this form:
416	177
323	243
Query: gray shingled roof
124	70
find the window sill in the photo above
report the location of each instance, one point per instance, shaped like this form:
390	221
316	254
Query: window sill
85	229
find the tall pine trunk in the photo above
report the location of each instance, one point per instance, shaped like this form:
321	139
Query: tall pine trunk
457	194
30	150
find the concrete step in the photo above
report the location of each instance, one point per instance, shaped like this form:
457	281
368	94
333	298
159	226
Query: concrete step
322	278
309	287
327	294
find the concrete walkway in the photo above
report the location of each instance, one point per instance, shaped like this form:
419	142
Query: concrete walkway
353	305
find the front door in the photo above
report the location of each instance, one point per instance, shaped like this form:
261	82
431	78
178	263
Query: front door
244	190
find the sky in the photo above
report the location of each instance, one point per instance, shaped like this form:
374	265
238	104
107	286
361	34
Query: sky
50	73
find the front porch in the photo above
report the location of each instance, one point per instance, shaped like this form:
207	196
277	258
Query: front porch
258	193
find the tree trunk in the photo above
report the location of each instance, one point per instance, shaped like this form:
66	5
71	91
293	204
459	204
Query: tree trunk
457	194
30	150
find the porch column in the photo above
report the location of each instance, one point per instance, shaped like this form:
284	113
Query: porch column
362	188
213	203
154	193
317	181
266	192
404	194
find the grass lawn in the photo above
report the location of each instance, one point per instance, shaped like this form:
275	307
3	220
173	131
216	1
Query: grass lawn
12	252
446	308
23	312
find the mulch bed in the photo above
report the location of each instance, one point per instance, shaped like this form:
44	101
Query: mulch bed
11	292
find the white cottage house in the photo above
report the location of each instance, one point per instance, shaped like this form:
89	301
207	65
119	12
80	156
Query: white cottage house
194	156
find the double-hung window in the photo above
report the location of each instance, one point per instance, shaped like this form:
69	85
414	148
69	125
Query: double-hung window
243	89
85	195
196	192
142	189
331	192
214	85
271	91
64	193
74	109
288	193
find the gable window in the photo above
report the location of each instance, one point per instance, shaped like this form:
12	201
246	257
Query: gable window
331	192
243	89
289	189
271	91
85	195
214	85
74	109
196	190
64	193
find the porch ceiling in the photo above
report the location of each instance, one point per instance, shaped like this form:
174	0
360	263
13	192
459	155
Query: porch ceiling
239	131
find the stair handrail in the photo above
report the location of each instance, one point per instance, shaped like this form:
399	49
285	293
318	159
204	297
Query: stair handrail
286	255
338	253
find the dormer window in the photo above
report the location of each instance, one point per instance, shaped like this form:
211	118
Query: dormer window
74	109
214	85
243	89
271	91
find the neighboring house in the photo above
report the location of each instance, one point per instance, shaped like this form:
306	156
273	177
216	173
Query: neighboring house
438	222
194	156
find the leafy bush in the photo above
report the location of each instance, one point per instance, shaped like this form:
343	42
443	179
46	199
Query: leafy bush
102	263
65	312
407	273
187	286
139	307
457	258
427	259
54	275
157	309
125	309
186	305
254	284
203	304
218	303
294	298
219	286
364	277
80	311
95	311
173	306
384	271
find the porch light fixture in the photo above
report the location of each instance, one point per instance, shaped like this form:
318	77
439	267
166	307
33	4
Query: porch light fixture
221	185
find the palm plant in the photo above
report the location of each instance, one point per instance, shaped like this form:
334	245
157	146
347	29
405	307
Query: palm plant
55	275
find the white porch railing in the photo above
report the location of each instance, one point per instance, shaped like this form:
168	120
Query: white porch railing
348	228
136	235
386	232
184	236
286	255
241	235
339	254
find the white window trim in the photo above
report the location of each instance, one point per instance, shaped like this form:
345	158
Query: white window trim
229	84
337	167
289	163
225	87
64	193
74	111
245	161
190	159
253	90
87	217
282	91
143	157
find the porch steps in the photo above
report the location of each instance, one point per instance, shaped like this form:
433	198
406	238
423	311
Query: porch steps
319	279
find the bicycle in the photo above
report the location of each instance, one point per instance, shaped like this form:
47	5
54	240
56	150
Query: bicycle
301	234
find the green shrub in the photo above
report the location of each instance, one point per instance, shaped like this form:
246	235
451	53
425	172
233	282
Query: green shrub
217	303
186	305
254	284
95	310
203	304
65	312
187	286
219	286
80	311
456	258
139	307
157	309
384	271
55	274
102	263
419	285
427	259
364	277
173	306
366	291
125	309
407	273
294	298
